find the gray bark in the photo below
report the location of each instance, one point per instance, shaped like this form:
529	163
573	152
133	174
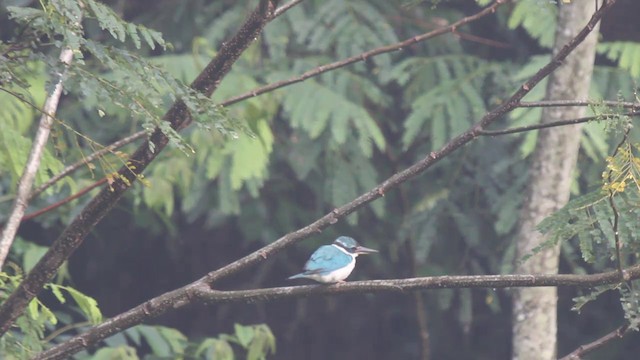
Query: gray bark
551	173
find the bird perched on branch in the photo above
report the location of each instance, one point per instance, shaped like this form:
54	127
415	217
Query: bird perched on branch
333	263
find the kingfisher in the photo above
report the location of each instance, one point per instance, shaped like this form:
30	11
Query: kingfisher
333	263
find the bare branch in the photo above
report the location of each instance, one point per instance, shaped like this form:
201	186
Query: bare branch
364	56
33	163
554	124
551	103
201	292
65	200
583	350
87	159
282	9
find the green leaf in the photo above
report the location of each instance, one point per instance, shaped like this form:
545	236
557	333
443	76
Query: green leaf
538	18
159	346
625	53
215	349
250	155
108	20
116	353
244	334
57	292
87	304
176	340
32	255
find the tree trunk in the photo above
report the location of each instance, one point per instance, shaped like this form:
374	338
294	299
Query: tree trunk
551	173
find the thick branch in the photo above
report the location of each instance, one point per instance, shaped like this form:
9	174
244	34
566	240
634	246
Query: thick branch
181	297
179	117
200	292
33	162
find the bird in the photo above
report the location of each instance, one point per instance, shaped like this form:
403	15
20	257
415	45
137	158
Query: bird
333	263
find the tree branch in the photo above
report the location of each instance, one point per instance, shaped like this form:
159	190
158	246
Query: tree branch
181	297
550	103
583	350
87	159
555	123
364	56
33	162
201	292
283	8
65	200
179	117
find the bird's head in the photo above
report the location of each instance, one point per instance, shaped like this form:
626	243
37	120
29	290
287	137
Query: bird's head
352	246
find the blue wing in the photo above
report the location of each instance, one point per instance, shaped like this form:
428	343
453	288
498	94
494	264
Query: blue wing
326	259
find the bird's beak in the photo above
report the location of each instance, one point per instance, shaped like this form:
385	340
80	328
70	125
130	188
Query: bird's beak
365	250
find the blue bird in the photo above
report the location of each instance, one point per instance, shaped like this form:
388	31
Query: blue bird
333	263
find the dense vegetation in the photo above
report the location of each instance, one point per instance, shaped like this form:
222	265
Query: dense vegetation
247	173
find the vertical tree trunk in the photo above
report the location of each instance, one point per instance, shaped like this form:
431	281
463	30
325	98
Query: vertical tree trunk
534	309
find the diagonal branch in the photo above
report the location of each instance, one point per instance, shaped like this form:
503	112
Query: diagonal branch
583	350
87	159
185	295
283	8
364	56
33	162
178	117
200	292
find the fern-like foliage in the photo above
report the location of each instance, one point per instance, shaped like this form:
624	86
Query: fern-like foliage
626	54
537	17
443	93
589	217
103	74
28	338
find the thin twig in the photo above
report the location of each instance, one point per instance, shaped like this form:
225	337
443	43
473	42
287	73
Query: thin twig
616	233
75	166
65	200
33	163
553	103
616	215
282	9
555	124
364	56
63	329
583	350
